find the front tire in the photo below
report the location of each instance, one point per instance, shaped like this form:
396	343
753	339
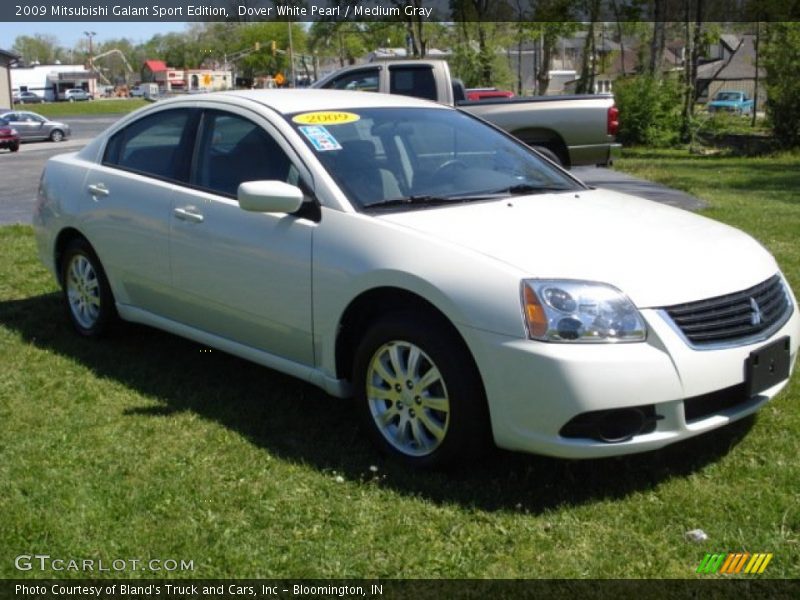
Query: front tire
87	296
418	392
56	135
14	147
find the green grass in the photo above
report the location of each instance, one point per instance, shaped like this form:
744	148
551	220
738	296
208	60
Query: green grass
100	106
145	446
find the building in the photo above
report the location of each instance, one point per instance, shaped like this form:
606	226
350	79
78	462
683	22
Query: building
208	80
51	81
734	71
6	58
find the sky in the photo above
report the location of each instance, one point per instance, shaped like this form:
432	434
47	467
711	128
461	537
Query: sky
69	34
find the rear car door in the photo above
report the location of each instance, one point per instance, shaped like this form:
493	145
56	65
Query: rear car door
132	189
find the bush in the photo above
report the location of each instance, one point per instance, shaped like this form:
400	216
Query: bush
782	59
650	111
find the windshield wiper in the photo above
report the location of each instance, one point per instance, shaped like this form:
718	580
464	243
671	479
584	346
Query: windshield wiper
529	188
426	199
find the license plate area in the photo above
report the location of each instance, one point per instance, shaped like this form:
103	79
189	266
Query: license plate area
767	366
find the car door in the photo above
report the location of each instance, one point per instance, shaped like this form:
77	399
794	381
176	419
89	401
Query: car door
29	125
241	275
131	192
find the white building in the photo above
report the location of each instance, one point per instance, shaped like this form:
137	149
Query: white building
207	80
51	81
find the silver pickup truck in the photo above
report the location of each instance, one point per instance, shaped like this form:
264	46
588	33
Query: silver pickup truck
571	130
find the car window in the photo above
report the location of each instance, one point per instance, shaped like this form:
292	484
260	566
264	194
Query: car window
232	150
380	154
155	145
413	81
365	80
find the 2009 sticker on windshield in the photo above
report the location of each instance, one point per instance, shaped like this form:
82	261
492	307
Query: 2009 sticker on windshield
326	117
320	138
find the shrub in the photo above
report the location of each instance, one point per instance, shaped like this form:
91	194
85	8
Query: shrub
650	111
782	58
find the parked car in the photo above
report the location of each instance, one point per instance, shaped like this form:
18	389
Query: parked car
735	102
77	94
26	98
9	137
436	268
32	126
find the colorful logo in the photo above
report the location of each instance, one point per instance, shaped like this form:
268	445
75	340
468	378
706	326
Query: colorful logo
735	562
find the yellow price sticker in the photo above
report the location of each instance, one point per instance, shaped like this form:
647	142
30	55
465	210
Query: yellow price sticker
326	118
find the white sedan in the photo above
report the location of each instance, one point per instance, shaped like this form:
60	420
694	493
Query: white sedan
461	288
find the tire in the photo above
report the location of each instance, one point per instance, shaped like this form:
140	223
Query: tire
547	153
56	135
418	392
87	296
14	147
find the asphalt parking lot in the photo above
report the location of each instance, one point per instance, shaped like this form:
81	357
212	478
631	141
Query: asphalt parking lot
20	171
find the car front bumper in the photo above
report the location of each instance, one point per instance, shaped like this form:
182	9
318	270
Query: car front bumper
534	389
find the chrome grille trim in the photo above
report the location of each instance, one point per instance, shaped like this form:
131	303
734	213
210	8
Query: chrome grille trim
736	319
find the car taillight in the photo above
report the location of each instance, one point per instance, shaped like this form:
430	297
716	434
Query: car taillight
612	123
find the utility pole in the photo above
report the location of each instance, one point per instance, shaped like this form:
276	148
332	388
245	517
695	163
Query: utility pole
291	57
90	35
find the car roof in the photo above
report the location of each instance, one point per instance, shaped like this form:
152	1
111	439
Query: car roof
287	101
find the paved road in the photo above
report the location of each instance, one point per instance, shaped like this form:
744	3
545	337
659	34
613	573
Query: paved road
622	182
20	171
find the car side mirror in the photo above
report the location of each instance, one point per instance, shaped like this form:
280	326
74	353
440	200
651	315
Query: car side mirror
269	197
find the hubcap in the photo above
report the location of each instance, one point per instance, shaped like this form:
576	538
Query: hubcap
83	291
408	398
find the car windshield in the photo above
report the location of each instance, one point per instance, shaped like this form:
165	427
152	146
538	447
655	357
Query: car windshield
416	157
727	96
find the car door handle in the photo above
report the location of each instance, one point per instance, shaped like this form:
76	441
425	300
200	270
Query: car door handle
188	213
98	189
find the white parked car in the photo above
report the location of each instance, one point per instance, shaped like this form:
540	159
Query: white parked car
435	268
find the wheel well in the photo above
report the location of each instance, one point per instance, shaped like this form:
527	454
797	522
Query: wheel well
65	237
373	304
547	138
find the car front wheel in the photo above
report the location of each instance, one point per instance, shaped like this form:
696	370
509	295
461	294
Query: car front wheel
87	295
418	392
57	135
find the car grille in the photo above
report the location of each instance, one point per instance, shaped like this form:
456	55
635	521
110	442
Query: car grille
733	318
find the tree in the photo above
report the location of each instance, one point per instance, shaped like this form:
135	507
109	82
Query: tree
782	63
39	48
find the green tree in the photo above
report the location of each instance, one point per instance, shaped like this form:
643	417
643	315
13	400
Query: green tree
782	63
39	48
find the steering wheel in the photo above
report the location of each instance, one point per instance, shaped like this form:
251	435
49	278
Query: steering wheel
449	165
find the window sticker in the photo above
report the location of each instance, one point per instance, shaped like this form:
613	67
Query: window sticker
320	138
328	117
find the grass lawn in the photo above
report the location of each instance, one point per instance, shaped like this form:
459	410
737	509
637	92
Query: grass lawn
148	446
100	106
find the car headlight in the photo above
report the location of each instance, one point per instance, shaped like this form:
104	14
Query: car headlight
558	310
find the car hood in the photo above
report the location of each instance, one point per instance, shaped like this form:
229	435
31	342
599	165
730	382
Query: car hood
725	103
656	254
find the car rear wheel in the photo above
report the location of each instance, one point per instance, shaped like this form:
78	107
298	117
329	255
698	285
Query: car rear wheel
14	147
548	154
87	295
418	392
56	135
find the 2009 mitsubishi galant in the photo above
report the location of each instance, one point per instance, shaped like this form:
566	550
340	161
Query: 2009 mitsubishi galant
445	275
